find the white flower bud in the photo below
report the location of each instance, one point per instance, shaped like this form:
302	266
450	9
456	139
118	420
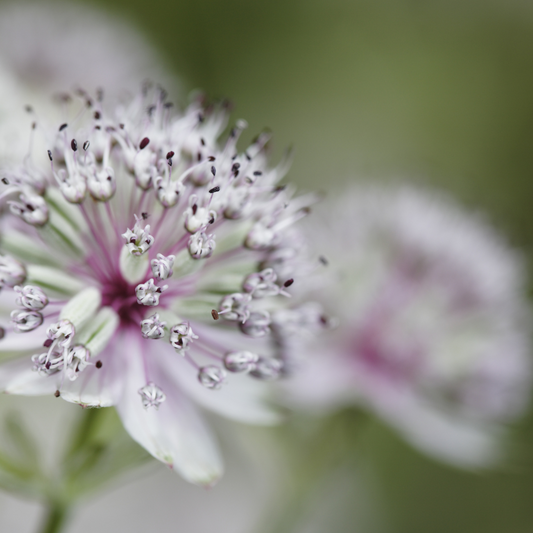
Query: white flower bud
152	395
267	368
32	208
148	293
212	377
257	324
260	237
201	245
138	240
237	203
235	307
102	184
168	191
181	335
72	184
76	361
11	271
240	361
24	320
197	217
162	266
144	169
31	297
152	327
261	284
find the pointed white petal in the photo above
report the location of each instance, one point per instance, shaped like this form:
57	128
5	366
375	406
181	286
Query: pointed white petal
175	433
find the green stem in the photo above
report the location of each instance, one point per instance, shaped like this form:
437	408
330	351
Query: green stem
56	518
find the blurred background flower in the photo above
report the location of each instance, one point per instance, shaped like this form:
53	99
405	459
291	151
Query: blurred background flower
434	329
433	92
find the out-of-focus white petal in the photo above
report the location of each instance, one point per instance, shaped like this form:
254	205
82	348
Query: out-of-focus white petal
463	442
174	433
17	377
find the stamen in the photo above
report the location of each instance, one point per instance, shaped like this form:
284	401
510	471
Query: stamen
235	307
152	327
31	297
162	266
181	336
144	143
267	369
212	377
152	395
201	245
240	361
24	320
138	240
257	325
11	271
148	293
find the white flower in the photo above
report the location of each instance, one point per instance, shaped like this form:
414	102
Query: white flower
83	283
433	333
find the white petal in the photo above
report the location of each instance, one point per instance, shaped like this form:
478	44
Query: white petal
242	398
175	433
96	387
17	377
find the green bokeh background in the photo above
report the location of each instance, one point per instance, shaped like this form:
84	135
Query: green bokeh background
438	92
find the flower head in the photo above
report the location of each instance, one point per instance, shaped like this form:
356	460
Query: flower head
141	268
433	333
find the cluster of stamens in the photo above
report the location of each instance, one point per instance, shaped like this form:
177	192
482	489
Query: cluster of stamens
196	208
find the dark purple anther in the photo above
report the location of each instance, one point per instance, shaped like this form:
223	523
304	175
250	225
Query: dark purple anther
144	143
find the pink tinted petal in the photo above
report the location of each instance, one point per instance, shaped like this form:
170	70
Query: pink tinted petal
175	433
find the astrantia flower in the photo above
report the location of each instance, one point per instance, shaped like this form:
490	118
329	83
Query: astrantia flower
433	333
144	266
